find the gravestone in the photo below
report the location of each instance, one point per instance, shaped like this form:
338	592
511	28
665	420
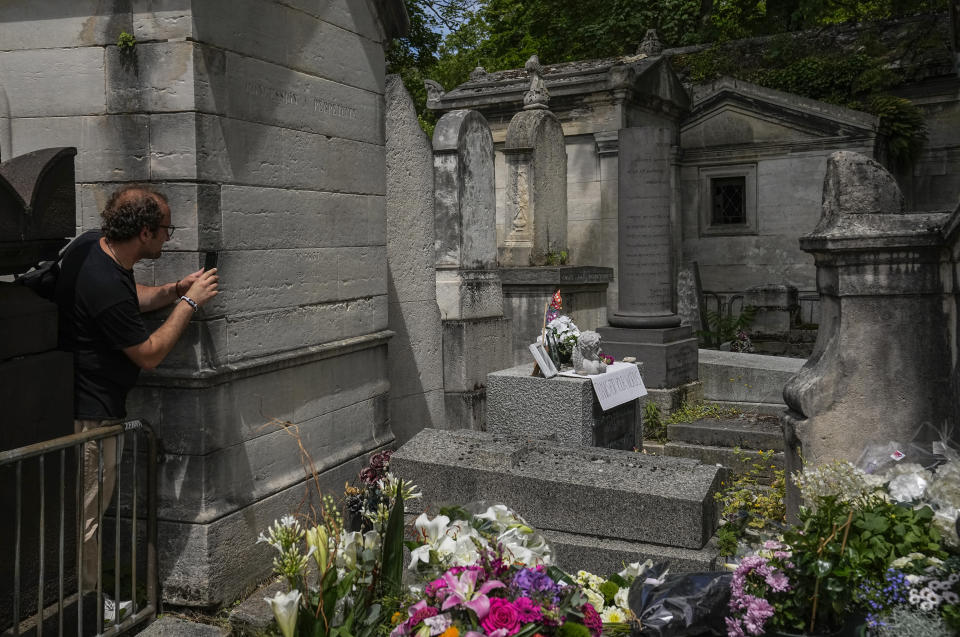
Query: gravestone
536	189
416	380
881	365
598	507
646	324
562	409
476	336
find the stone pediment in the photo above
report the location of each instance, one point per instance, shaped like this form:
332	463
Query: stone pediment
648	78
731	112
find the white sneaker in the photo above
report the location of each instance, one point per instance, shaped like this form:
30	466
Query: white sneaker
114	612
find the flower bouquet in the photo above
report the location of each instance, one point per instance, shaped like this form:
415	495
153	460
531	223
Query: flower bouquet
494	599
560	334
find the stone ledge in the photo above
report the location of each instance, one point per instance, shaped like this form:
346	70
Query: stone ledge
564	274
604	556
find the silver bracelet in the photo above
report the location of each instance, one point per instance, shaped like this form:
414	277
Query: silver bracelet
190	302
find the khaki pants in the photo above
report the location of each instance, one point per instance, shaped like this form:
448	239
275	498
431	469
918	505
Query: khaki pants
91	516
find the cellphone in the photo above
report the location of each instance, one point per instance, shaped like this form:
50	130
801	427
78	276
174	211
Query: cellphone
210	260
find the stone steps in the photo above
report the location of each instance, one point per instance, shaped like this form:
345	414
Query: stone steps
715	440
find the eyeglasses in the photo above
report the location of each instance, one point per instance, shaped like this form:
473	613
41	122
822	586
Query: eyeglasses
169	230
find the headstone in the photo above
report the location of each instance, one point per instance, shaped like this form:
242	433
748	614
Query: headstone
646	324
882	363
476	336
416	377
562	409
619	503
777	309
536	188
690	296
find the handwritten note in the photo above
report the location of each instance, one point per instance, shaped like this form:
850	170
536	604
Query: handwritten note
620	384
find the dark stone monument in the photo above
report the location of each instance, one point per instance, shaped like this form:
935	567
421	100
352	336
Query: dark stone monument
646	324
37	215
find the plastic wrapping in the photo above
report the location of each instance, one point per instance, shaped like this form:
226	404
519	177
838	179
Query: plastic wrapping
683	604
928	448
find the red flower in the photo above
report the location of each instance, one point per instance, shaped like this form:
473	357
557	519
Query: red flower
502	615
591	619
527	610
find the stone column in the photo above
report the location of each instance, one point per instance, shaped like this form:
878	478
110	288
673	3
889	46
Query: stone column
881	365
646	324
476	336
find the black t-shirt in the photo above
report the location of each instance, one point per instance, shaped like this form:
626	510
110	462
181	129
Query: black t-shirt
99	316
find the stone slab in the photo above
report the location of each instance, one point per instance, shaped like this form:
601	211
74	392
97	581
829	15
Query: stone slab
747	432
465	409
253	615
53	25
733	376
562	409
604	556
172	626
35	81
469	294
669	355
671	399
602	492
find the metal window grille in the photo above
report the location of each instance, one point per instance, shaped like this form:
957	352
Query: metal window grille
729	200
45	485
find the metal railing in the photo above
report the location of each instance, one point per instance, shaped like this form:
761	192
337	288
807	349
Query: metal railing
63	587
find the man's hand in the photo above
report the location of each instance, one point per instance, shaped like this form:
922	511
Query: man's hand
184	284
204	286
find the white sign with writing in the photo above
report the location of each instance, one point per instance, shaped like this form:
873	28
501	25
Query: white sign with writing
620	384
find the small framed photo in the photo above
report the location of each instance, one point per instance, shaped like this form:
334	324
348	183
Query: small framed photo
543	360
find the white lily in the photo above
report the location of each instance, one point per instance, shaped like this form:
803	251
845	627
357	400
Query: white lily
434	534
285	607
636	569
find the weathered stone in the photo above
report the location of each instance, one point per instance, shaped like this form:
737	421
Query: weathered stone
669	355
59	24
735	376
777	308
879	278
562	409
464	185
472	349
527	291
170	626
625	495
36	81
469	294
109	147
415	352
689	294
535	198
257	218
746	431
604	555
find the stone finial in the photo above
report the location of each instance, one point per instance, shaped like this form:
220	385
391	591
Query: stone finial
651	44
478	73
434	90
537	95
856	184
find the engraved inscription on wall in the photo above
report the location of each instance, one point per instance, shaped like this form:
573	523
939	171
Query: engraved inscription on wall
294	98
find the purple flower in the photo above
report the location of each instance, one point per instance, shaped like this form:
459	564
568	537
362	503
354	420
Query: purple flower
778	581
535	584
528	610
734	629
758	612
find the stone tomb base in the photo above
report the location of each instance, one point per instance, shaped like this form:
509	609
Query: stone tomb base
562	409
600	508
669	355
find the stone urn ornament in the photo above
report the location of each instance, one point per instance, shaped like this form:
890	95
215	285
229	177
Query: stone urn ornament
586	355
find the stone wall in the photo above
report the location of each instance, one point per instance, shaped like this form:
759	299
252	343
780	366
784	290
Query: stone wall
263	122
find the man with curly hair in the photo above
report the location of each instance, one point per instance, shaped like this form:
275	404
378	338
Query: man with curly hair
100	323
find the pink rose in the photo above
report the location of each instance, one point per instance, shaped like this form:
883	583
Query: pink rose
502	615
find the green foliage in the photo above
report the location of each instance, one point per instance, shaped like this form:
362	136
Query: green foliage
747	503
841	544
573	629
688	412
126	41
728	538
722	328
653	426
556	257
902	124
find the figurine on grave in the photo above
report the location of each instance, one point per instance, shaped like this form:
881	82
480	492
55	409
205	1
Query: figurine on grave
586	354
